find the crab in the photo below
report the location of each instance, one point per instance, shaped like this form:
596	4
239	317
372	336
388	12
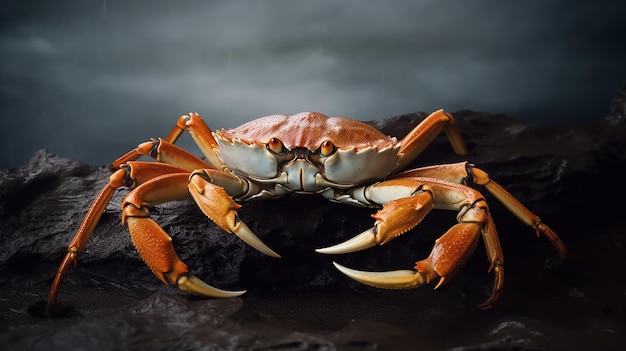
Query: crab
341	159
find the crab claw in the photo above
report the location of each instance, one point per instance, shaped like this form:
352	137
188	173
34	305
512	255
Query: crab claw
400	279
394	219
216	204
196	286
156	249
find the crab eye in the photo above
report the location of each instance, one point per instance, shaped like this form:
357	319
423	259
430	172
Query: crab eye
275	145
327	148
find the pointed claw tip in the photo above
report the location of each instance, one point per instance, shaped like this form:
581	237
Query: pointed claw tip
360	242
195	286
244	233
337	265
273	255
268	252
440	283
399	279
238	293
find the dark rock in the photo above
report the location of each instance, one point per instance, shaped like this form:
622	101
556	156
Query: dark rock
566	175
617	109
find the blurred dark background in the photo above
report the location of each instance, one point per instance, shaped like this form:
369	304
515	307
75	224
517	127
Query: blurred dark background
90	79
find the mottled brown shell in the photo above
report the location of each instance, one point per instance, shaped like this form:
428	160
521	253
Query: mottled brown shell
309	130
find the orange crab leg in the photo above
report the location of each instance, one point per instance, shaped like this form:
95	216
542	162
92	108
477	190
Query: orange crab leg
201	134
130	175
464	172
421	136
162	151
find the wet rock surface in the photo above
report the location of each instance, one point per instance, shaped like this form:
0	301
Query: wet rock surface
111	300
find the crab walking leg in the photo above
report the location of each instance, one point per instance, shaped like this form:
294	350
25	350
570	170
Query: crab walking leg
130	175
162	151
201	134
421	136
151	241
213	191
450	251
464	172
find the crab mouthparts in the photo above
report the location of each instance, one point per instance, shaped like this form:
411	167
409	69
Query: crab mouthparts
301	176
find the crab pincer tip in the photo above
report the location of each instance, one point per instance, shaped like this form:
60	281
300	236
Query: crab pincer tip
246	235
195	286
360	242
399	279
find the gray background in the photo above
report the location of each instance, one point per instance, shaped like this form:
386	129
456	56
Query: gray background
91	79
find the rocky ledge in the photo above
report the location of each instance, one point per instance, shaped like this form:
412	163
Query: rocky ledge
567	175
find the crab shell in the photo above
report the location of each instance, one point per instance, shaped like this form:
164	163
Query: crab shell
360	153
